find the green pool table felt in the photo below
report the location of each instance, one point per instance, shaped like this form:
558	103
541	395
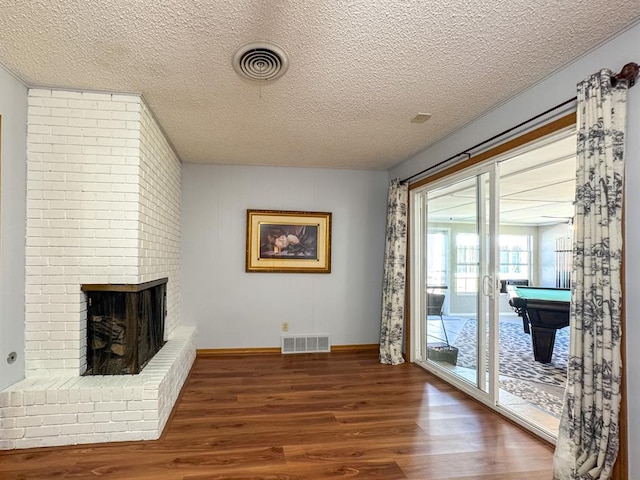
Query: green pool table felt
547	294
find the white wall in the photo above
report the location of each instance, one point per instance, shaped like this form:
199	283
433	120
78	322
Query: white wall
552	91
547	246
13	170
632	267
232	308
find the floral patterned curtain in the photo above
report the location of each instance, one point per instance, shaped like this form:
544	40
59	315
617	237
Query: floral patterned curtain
394	279
587	443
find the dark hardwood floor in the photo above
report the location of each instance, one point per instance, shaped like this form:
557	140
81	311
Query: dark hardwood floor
310	416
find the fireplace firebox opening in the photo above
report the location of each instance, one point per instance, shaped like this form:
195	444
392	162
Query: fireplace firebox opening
125	326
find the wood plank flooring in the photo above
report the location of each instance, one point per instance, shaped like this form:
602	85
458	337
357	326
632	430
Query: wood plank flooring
311	416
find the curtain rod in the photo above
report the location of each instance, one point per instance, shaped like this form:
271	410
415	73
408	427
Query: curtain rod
629	72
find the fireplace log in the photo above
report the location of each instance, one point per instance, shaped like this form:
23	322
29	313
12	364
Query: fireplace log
118	348
110	329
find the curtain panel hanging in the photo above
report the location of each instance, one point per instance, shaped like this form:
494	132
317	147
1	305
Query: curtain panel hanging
588	437
394	276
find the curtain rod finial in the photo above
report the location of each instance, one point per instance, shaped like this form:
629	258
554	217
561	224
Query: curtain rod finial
629	72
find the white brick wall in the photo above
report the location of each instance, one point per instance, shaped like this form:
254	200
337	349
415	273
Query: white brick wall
83	190
103	206
159	221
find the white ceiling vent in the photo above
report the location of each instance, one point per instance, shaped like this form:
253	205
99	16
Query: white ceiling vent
260	62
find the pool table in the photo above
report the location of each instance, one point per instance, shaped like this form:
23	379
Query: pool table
543	311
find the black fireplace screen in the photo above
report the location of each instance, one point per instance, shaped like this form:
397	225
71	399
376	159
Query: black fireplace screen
125	326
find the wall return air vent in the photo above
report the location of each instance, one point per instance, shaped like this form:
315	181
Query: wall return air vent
305	343
260	62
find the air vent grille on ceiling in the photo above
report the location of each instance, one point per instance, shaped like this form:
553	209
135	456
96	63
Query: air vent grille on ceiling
260	62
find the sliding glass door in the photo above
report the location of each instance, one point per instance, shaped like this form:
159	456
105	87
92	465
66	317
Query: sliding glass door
476	235
454	225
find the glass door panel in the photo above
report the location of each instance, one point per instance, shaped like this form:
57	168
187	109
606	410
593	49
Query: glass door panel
537	191
454	219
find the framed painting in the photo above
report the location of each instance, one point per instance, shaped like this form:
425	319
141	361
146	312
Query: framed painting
288	241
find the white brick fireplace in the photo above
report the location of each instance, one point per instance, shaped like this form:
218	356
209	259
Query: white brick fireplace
103	206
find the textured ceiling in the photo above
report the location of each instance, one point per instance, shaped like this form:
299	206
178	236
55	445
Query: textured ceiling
359	70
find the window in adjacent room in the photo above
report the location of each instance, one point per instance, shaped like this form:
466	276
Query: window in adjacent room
437	257
467	263
515	257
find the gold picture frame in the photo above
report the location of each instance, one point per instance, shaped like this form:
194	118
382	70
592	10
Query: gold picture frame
287	241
